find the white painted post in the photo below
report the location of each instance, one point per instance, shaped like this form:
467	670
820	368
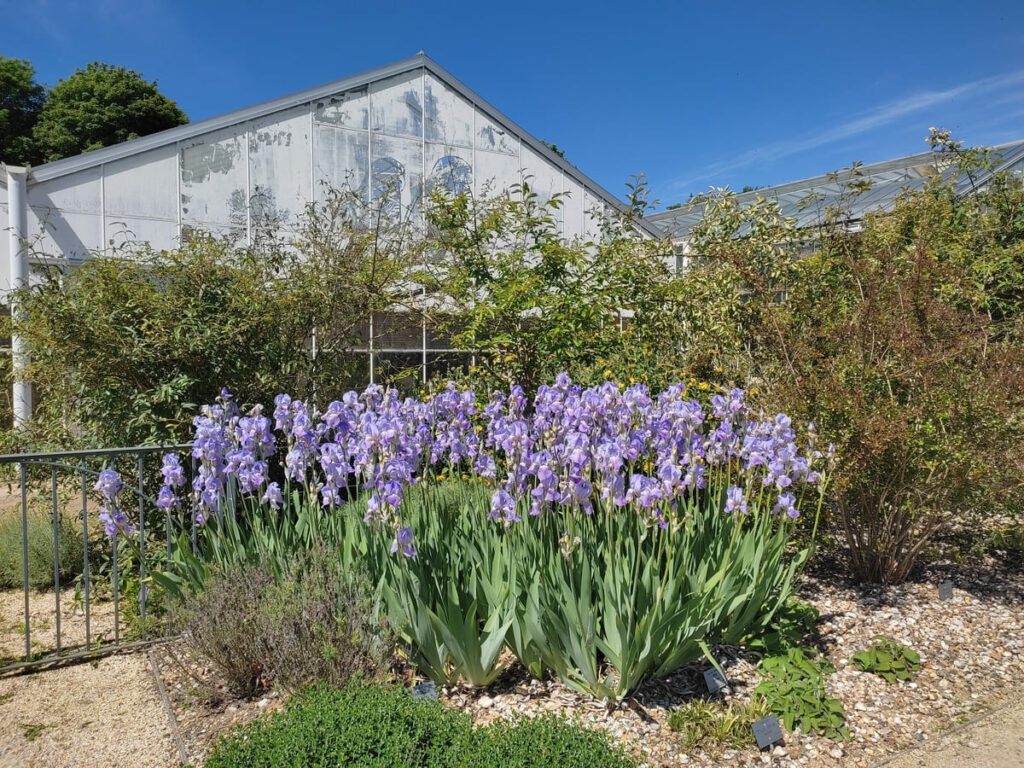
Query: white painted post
17	211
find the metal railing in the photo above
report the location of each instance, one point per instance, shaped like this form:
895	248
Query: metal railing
42	473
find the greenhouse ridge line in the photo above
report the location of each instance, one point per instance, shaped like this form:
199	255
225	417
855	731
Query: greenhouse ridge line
69	165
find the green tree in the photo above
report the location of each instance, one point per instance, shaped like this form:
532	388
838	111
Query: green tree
21	99
99	106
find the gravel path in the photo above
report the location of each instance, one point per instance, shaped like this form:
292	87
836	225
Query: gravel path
43	624
993	741
102	715
972	649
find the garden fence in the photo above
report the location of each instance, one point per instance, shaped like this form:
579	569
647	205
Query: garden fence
82	614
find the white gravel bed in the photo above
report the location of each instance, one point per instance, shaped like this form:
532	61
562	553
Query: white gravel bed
105	714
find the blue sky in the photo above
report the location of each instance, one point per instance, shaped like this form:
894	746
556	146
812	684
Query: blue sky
691	94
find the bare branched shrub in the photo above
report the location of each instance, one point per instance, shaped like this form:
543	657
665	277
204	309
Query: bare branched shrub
312	624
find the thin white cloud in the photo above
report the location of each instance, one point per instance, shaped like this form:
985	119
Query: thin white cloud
61	20
44	17
875	118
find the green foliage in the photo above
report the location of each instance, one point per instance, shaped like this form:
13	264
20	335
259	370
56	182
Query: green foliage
889	660
900	339
533	742
791	626
618	606
70	547
21	99
533	304
714	725
384	727
794	688
454	602
312	622
144	339
99	106
554	148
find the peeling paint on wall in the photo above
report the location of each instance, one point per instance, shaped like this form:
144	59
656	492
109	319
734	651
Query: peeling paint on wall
450	117
396	106
200	162
342	159
345	110
492	137
269	139
213	175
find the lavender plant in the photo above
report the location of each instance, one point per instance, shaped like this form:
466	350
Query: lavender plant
604	535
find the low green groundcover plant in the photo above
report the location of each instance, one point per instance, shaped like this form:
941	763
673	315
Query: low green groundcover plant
714	725
794	687
367	726
792	626
889	660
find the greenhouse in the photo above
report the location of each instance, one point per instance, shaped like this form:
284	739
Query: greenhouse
406	127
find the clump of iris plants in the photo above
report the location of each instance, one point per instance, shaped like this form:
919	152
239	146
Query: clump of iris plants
604	535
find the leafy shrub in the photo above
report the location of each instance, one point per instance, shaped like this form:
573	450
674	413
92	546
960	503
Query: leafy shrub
889	660
901	339
40	549
533	742
532	304
383	727
794	688
147	338
312	622
361	725
713	725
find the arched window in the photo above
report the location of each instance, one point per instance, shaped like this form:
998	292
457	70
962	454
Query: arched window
452	174
388	177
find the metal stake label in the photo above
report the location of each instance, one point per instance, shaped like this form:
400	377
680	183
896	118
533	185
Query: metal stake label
767	731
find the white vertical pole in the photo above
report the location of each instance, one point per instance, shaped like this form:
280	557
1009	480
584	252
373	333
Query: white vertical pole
248	187
371	349
103	209
17	211
424	295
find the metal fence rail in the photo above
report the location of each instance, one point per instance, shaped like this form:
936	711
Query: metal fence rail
42	472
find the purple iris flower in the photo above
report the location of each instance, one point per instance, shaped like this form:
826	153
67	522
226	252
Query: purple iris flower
503	505
734	500
273	496
173	472
166	498
109	483
403	542
786	503
115	521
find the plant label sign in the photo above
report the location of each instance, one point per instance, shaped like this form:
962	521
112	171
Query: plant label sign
946	590
767	731
714	680
425	690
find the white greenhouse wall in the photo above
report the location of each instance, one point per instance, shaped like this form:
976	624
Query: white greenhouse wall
409	133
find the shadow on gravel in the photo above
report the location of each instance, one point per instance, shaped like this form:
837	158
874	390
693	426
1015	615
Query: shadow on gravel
996	576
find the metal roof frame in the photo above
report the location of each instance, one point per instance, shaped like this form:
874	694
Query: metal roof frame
877	199
69	165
